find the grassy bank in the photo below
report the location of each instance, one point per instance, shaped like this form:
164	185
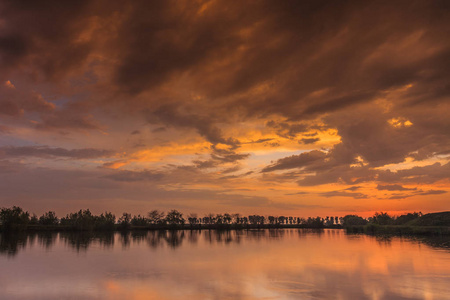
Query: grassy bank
398	229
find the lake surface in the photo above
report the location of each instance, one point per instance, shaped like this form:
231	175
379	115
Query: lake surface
255	264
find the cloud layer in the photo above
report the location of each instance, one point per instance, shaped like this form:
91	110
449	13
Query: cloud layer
259	98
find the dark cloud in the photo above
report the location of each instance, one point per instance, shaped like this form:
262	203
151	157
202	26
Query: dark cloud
259	141
231	170
344	194
52	152
309	141
204	124
4	129
68	120
299	193
296	161
420	175
393	187
221	156
228	156
275	178
44	36
376	72
353	188
273	144
205	164
159	129
132	176
288	130
32	107
371	133
301	50
310	134
418	193
354	175
314	55
14	102
7	166
9	108
432	192
71	116
370	138
336	174
235	176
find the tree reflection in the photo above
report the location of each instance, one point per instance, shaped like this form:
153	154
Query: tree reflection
12	243
193	236
80	241
125	239
47	239
384	240
174	238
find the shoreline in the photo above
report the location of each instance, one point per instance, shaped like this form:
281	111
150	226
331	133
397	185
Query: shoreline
118	227
370	229
373	229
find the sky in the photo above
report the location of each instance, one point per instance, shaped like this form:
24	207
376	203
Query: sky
302	108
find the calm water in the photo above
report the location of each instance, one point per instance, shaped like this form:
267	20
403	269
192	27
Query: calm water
264	264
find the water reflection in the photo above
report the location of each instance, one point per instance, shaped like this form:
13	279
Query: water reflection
208	264
80	241
12	243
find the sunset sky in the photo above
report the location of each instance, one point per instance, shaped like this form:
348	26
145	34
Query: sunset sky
299	108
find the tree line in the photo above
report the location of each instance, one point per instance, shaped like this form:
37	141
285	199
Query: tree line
380	218
15	218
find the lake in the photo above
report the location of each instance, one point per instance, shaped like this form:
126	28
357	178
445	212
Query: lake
254	264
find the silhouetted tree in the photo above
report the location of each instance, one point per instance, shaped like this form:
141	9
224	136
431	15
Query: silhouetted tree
125	221
219	219
350	220
382	218
236	218
209	219
174	217
403	219
301	221
156	217
34	220
105	221
317	222
192	219
253	219
14	218
49	218
256	219
329	221
81	220
139	221
227	218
